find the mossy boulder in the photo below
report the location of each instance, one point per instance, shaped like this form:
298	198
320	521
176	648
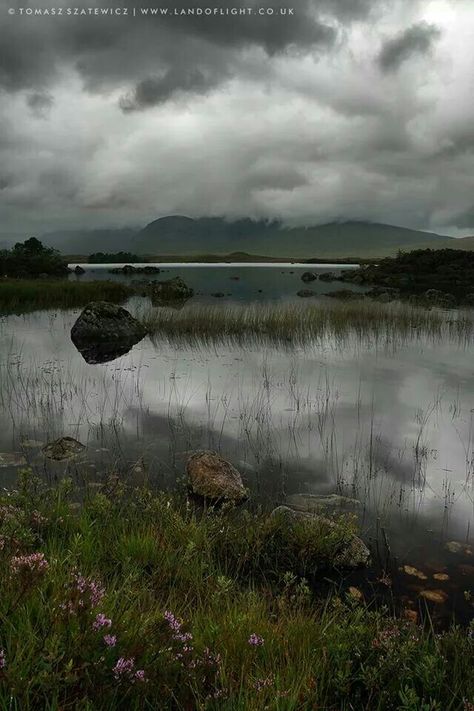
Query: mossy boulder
214	478
334	545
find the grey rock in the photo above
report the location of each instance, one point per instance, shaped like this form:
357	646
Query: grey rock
304	293
308	276
79	270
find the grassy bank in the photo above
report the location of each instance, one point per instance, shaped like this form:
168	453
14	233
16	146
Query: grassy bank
302	323
133	600
32	294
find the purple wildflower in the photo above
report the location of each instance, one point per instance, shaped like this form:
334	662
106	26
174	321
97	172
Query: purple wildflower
101	621
35	563
140	675
255	640
261	684
173	623
123	667
3	661
110	640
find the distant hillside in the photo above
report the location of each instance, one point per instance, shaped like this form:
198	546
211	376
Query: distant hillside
177	234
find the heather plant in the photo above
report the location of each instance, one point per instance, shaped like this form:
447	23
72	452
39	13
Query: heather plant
130	599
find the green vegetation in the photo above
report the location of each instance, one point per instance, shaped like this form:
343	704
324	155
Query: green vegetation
295	323
449	272
31	259
132	599
114	258
25	294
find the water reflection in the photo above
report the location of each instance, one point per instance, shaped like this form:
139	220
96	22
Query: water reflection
391	427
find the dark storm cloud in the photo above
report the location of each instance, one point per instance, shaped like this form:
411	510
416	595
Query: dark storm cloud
157	90
417	39
106	48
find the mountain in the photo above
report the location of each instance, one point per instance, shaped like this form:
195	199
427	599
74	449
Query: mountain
183	235
177	235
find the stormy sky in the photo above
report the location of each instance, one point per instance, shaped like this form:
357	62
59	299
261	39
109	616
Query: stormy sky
341	110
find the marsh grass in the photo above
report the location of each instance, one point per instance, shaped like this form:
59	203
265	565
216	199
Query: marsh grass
20	295
207	607
303	323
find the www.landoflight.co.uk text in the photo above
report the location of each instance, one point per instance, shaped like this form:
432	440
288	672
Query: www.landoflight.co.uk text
160	11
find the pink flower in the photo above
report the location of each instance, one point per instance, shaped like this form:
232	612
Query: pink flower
140	675
35	563
3	661
101	621
255	640
110	640
124	667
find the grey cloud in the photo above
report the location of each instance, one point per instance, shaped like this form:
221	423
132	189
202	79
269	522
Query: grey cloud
39	103
417	39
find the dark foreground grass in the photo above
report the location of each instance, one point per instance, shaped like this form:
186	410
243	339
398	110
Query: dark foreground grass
133	600
33	294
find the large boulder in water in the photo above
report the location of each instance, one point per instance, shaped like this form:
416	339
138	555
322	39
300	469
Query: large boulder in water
212	477
105	331
308	276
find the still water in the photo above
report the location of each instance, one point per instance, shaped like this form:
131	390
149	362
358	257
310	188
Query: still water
391	425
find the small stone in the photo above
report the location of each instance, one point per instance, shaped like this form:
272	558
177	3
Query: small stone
356	593
442	577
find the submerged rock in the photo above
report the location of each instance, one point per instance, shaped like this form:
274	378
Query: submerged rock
305	293
170	290
436	596
308	276
63	448
214	478
105	331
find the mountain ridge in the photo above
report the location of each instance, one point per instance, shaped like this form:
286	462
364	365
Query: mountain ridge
175	235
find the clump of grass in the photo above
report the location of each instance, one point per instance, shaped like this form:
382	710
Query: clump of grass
303	323
133	600
33	294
